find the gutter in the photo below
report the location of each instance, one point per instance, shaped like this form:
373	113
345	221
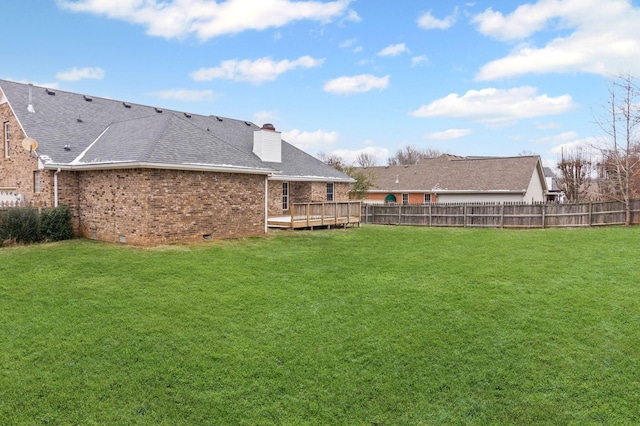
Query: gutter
55	188
145	165
311	179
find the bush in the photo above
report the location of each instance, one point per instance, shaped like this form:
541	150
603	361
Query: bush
21	225
55	224
26	226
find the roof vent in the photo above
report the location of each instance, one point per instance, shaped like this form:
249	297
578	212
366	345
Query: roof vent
79	120
126	105
247	123
50	92
187	115
88	98
219	118
67	147
158	110
269	126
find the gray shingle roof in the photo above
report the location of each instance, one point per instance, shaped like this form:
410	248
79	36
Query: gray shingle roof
103	131
464	174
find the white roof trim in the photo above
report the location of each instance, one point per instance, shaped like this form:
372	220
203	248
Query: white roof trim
144	165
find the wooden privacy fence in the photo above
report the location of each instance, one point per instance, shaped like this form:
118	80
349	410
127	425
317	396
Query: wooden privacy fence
501	215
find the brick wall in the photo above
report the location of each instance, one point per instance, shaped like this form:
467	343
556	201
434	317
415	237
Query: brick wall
303	192
17	171
150	207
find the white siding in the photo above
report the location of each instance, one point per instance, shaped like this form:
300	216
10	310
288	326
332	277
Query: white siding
267	144
479	198
535	191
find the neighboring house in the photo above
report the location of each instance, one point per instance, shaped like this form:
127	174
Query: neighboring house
452	179
143	175
554	192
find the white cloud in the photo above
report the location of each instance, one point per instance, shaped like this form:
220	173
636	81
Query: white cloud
185	95
308	141
449	134
352	16
393	50
419	60
604	38
208	18
357	84
496	106
75	74
585	144
428	22
348	43
350	156
256	72
562	138
262	117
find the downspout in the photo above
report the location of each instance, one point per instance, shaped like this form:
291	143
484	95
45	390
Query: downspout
266	204
55	188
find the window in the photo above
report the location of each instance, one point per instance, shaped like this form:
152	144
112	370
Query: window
427	198
7	139
405	198
36	181
285	195
330	192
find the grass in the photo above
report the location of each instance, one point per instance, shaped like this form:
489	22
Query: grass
376	325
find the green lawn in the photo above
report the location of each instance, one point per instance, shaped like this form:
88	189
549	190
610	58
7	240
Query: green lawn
368	326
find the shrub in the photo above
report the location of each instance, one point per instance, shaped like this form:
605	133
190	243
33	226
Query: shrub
21	225
55	224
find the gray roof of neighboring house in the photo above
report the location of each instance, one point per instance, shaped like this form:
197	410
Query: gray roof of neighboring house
549	173
449	173
100	132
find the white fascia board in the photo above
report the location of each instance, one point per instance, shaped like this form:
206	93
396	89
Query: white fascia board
143	165
446	191
311	179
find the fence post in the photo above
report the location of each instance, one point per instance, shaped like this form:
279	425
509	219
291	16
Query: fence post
464	216
544	211
590	213
430	215
502	215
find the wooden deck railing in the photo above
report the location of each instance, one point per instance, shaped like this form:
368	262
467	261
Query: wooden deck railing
310	215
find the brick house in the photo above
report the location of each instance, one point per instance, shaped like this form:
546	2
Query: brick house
144	175
454	179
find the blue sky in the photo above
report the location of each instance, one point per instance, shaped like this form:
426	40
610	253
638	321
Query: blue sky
344	76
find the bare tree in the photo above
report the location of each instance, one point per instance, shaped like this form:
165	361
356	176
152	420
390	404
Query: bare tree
575	173
620	149
366	159
411	155
363	180
332	160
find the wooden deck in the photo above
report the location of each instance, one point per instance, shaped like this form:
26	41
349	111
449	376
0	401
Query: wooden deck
312	215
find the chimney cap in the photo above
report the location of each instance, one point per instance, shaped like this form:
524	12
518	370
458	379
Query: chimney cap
268	126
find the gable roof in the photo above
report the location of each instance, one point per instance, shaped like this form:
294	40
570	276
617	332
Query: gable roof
449	173
76	131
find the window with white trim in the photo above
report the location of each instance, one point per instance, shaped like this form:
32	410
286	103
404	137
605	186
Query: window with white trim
7	139
427	198
36	181
285	195
405	198
330	192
